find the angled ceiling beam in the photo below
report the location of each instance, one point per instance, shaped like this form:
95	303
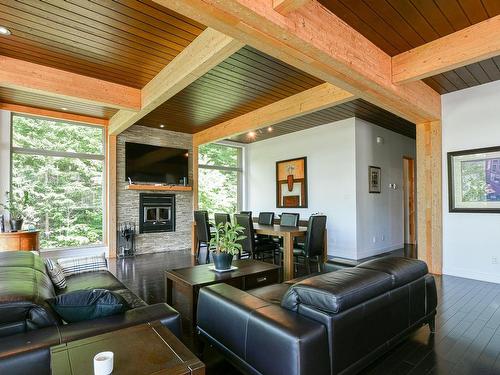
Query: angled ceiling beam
316	41
209	49
53	114
317	98
287	6
30	77
472	44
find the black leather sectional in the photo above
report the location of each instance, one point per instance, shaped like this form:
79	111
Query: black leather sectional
333	323
28	326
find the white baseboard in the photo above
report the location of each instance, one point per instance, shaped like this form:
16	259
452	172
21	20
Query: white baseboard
472	274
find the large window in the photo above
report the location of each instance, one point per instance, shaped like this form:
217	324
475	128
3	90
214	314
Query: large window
219	178
60	167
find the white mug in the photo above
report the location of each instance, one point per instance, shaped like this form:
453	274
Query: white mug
103	363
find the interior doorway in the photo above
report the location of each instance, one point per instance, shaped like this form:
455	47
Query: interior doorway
409	215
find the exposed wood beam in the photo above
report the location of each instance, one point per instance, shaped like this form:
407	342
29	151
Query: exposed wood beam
111	227
287	6
316	41
53	114
472	44
26	76
208	50
429	195
312	100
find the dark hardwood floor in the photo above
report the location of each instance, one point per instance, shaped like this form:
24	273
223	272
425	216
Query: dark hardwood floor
467	338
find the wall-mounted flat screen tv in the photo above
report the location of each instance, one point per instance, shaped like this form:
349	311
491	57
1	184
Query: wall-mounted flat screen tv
154	164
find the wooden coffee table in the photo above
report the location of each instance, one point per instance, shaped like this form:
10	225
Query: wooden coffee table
183	285
143	349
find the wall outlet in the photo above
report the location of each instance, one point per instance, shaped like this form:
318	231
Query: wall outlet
383	238
494	260
374	239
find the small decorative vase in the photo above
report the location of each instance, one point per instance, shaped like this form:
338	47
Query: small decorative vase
16	224
222	261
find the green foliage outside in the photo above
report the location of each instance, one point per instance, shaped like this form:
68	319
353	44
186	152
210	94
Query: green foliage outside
64	193
218	189
474	181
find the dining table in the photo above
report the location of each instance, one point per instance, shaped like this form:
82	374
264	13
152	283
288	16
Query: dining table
288	234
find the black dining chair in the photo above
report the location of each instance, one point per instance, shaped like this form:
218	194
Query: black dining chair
202	233
266	218
314	246
250	248
221	218
288	219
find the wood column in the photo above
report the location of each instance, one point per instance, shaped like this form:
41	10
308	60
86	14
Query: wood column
194	238
429	195
111	195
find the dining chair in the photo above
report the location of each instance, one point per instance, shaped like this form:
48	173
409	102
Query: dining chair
202	233
250	248
266	218
221	218
314	246
249	213
288	219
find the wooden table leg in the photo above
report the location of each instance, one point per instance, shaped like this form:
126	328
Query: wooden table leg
287	256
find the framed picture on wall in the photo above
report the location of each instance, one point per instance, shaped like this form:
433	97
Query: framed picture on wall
474	180
291	183
374	179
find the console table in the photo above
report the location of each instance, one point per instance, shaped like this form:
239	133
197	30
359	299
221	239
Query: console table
22	240
144	349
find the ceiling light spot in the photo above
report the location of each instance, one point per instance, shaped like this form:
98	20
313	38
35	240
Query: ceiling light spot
64	108
269	129
162	125
251	135
4	31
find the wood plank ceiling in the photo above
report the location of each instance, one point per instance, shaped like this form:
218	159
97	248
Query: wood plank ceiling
246	81
397	26
122	41
356	108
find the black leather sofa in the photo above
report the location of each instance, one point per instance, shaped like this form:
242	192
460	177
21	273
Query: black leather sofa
28	326
332	323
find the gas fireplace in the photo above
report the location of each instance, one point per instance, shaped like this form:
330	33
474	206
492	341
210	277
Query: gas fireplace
156	213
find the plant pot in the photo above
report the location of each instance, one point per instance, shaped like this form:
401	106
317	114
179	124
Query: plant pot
222	261
16	224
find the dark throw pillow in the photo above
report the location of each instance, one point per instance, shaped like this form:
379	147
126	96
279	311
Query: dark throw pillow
90	304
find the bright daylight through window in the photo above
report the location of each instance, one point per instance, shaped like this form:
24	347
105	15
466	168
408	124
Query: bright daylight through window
59	168
219	178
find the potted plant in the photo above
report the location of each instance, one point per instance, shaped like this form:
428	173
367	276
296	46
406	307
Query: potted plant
16	204
225	244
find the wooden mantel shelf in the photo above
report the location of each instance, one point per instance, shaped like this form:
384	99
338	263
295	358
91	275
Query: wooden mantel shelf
159	187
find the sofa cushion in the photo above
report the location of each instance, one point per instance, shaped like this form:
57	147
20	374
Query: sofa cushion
337	291
92	280
73	266
84	305
55	273
25	259
402	270
271	293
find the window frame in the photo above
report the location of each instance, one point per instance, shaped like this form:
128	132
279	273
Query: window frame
239	169
76	155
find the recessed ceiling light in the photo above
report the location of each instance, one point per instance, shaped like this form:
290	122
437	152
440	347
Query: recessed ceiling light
270	129
4	31
251	134
162	126
64	108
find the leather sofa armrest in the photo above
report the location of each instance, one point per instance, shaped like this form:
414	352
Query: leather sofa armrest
261	337
169	317
431	294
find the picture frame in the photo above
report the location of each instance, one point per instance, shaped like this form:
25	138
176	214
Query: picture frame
374	180
474	180
291	183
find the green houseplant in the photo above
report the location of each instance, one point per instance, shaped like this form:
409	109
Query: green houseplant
16	204
225	244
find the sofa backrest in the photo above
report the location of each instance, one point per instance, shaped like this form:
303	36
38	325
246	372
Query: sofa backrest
24	287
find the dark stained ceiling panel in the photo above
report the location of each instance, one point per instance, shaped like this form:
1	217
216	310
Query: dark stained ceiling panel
12	96
356	108
122	41
397	26
244	82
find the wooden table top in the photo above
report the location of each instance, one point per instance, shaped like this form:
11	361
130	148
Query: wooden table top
202	275
142	349
278	230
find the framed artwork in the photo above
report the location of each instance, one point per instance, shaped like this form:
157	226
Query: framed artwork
374	177
474	180
291	183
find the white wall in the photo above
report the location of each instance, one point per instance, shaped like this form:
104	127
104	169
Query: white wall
380	217
471	119
331	178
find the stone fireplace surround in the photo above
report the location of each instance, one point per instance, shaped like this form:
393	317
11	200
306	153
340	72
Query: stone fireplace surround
127	201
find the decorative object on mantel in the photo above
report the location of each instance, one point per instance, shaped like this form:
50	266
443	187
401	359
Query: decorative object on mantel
374	179
474	180
126	240
225	244
16	204
291	183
